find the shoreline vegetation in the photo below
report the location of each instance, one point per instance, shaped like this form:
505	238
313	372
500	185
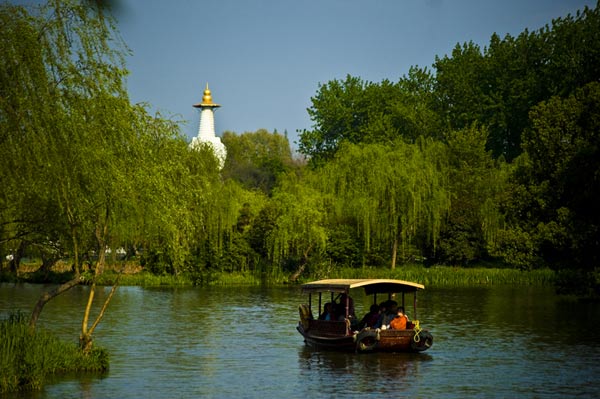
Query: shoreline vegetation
131	274
28	358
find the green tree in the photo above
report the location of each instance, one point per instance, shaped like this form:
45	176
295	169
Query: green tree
257	159
337	111
563	145
497	87
476	182
556	186
355	111
460	82
413	113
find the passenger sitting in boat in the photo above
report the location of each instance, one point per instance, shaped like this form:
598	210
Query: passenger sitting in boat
389	309
327	312
382	310
399	322
370	319
342	305
339	311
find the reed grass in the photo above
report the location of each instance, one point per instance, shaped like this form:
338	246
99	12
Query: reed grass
439	276
145	279
26	358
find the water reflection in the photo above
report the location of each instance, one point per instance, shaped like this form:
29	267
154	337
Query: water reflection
363	374
386	365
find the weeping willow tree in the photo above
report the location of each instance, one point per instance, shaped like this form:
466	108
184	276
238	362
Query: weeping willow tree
72	146
300	226
394	193
191	228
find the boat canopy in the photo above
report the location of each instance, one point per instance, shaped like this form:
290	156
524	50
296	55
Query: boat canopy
371	286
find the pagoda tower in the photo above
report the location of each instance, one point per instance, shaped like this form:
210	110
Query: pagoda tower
206	131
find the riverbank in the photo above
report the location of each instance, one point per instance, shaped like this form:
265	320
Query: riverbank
434	276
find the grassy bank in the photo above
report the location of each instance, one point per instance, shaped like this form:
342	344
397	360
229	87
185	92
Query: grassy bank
430	276
26	359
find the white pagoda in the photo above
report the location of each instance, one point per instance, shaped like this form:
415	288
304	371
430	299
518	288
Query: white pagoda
206	132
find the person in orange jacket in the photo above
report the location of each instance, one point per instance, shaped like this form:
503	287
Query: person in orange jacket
399	322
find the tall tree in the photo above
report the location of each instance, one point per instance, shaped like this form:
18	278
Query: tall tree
356	111
476	181
497	86
338	110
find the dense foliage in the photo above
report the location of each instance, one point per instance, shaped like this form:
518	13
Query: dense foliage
490	154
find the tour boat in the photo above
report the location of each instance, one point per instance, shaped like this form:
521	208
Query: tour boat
345	333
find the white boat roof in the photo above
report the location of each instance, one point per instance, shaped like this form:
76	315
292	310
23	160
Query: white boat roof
370	285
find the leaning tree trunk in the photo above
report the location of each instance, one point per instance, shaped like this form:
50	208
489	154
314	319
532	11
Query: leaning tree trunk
47	296
301	266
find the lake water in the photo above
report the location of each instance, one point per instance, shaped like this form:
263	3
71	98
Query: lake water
242	343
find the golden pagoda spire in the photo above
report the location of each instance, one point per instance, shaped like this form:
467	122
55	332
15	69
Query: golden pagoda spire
207	100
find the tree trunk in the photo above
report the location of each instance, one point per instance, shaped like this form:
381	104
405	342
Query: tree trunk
15	262
76	268
298	272
394	252
46	297
85	343
85	338
49	259
301	266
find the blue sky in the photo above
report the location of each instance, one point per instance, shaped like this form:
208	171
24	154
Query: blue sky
264	59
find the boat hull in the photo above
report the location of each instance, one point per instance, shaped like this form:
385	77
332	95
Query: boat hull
366	340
